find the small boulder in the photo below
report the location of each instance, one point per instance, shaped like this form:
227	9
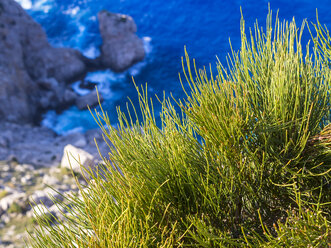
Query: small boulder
74	158
15	197
50	180
44	212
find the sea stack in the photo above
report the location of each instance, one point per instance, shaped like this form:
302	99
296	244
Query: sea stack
121	46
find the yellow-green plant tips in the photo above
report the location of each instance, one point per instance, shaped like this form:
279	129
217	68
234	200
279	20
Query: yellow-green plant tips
242	161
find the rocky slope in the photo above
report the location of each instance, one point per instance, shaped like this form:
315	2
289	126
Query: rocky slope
41	147
24	190
35	158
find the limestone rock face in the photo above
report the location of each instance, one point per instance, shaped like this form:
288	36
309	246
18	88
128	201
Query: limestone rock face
121	46
19	202
25	57
14	80
63	64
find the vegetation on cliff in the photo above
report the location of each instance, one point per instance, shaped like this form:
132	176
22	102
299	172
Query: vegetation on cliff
245	161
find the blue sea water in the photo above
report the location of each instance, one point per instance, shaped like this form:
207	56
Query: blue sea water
203	26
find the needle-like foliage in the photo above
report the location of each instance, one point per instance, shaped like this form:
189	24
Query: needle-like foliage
245	161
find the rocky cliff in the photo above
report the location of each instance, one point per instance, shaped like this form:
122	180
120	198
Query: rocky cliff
34	76
32	72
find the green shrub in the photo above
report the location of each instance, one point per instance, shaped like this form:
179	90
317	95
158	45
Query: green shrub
3	193
224	170
301	228
15	208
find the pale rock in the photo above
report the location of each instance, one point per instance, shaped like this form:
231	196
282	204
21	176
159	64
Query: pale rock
27	179
57	210
8	200
5	218
6	168
6	176
38	210
14	180
74	157
50	180
24	168
54	170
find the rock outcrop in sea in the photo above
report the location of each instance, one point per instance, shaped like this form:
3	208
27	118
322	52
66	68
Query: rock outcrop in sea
121	46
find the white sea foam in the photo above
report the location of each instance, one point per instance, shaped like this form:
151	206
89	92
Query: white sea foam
79	38
91	52
72	11
136	69
105	76
104	80
78	90
147	44
26	4
70	120
43	5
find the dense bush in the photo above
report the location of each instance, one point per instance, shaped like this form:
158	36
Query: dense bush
244	162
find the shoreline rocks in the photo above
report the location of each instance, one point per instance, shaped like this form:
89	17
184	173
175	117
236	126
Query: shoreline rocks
35	77
26	59
32	159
